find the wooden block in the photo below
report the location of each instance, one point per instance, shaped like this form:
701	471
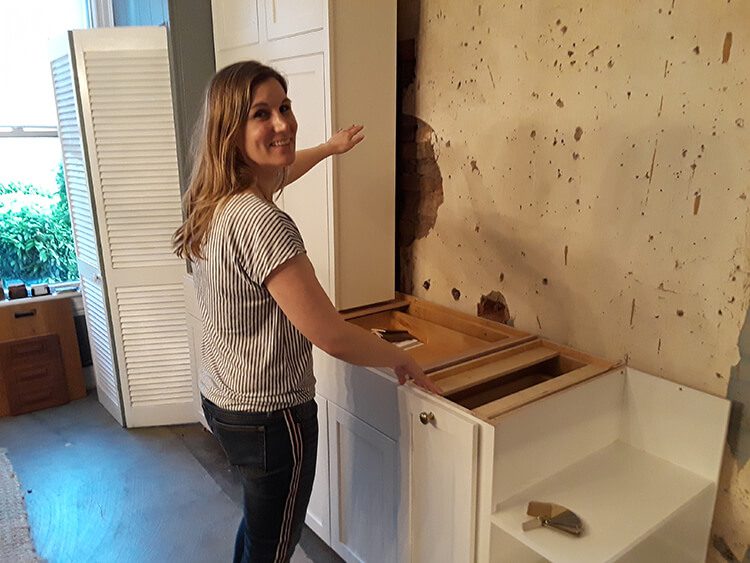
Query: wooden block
370	310
473	326
496	370
18	291
495	409
435	334
497	355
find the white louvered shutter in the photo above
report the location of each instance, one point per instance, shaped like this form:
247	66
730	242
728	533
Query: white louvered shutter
129	139
84	231
100	338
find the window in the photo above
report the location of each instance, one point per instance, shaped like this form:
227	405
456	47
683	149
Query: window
36	244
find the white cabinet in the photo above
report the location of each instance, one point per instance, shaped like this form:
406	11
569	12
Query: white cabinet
307	199
318	511
339	57
364	479
363	482
439	452
635	456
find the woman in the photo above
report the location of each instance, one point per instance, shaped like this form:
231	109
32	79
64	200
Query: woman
262	305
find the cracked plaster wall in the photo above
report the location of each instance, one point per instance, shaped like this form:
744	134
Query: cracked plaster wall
595	171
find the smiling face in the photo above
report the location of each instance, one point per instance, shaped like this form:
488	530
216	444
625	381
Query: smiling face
271	129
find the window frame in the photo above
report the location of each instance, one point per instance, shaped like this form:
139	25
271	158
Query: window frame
99	13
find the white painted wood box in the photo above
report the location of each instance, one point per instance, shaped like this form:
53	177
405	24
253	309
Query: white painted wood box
635	456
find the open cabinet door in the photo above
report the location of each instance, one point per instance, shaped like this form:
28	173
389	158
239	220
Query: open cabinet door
120	160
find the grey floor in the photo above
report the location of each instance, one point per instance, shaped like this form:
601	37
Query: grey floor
97	492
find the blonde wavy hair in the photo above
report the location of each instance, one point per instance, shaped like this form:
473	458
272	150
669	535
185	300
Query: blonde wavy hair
220	167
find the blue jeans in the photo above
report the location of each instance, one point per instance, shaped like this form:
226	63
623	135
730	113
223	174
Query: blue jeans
275	455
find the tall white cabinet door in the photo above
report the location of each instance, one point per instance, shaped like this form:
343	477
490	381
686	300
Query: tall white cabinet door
363	475
306	200
439	453
339	57
318	511
363	90
85	231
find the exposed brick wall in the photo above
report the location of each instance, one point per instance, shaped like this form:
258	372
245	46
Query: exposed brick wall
419	183
405	142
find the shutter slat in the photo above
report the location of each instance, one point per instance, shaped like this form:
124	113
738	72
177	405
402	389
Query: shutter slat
99	336
155	342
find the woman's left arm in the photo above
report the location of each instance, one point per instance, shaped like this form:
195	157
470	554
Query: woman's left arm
342	141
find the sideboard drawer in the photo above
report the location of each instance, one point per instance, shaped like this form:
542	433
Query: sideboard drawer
40	364
32	373
32	351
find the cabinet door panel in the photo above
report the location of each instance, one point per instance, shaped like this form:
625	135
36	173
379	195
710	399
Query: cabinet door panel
306	200
363	504
442	477
235	23
318	511
285	18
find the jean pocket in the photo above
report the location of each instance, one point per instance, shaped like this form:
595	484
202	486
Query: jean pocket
245	445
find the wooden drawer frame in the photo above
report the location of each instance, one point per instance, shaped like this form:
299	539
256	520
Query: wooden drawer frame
449	337
484	367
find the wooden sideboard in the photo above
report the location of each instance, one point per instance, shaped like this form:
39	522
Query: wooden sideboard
40	363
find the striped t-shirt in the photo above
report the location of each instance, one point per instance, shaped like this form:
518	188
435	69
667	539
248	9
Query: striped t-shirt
254	359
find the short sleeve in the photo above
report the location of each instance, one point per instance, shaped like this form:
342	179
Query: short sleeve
274	239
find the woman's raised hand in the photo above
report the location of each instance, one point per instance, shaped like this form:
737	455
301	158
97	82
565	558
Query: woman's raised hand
345	139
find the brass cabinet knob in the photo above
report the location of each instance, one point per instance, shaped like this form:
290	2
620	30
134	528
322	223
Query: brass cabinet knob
426	417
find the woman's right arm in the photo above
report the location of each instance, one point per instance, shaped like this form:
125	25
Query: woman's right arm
298	293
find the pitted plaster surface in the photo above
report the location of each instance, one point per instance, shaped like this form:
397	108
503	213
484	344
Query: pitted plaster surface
596	171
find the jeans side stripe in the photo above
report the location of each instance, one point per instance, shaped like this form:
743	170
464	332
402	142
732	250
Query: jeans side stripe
286	525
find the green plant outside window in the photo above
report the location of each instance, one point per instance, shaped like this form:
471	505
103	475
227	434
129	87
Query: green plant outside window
36	241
